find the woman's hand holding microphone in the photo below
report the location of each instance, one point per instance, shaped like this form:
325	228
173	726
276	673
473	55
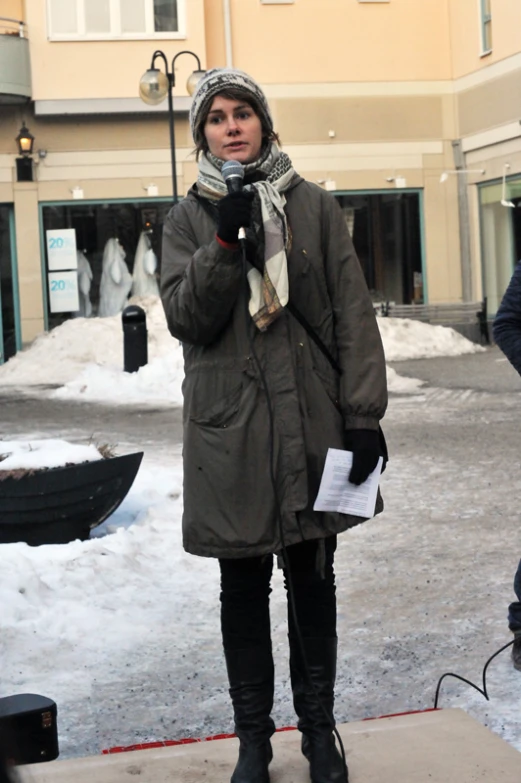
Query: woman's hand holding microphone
234	213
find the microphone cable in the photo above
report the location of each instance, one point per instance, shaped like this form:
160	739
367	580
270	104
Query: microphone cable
278	507
483	690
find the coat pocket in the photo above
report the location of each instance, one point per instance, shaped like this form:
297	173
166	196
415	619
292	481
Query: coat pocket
213	400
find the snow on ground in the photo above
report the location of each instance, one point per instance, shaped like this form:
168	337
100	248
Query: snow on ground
122	631
84	357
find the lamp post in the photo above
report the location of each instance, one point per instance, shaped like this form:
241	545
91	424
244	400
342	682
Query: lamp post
154	85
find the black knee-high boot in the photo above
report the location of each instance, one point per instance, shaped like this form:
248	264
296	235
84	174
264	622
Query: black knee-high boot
251	678
318	741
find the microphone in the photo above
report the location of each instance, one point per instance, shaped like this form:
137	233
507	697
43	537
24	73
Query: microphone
233	175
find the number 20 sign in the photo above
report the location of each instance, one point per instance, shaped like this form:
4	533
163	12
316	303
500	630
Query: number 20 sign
61	248
63	292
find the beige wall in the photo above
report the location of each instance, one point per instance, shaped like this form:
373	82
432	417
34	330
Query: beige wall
215	41
105	69
13	9
490	104
67	134
466	34
28	255
341	40
399	118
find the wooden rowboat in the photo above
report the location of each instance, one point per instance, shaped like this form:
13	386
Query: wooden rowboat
59	505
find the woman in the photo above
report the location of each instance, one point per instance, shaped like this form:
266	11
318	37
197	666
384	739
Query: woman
297	240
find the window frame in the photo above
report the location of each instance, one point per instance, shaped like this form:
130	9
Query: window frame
115	33
485	26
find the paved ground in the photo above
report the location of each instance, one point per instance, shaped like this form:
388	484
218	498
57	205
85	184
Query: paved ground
129	428
488	371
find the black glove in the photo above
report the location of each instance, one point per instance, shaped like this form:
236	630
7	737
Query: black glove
234	213
365	445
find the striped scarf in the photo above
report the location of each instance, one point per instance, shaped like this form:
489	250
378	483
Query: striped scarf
269	290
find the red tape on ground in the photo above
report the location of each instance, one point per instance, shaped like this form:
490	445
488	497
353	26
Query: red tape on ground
170	743
190	740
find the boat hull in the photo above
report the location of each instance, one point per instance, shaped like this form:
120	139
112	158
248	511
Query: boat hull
63	504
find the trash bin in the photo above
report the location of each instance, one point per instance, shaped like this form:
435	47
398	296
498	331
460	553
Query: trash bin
135	338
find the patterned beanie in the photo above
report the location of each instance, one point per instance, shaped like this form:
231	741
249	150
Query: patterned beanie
219	80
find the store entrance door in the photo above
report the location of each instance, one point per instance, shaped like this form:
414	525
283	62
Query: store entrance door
386	232
8	338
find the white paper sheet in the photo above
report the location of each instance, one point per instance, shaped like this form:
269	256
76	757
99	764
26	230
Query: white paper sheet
336	493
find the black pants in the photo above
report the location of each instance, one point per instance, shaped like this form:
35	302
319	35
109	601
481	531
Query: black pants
245	591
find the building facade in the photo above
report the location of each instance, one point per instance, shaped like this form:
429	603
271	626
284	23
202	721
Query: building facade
406	111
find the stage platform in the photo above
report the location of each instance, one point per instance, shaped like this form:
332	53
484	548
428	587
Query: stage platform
442	746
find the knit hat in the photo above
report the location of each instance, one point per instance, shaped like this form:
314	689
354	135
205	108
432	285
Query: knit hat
219	80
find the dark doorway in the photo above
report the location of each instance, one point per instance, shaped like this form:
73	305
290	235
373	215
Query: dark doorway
386	232
7	294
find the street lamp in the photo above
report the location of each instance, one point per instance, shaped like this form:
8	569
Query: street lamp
155	85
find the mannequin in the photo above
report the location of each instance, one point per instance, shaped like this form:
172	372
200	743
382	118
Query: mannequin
116	280
144	281
84	284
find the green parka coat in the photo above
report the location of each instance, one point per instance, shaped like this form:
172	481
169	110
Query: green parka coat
229	504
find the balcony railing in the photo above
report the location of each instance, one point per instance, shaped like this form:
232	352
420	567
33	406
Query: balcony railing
15	64
12	27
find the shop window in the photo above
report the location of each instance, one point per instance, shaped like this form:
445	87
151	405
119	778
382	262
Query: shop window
500	239
112	19
386	232
91	232
7	290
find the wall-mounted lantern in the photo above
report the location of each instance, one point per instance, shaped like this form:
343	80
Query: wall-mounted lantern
24	164
25	141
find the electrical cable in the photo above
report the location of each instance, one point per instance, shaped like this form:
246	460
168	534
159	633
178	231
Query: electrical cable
291	593
483	690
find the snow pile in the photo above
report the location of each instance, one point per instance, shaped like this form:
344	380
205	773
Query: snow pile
158	382
404	339
398	384
45	453
59	356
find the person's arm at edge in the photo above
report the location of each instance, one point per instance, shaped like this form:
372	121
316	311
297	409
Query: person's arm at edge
507	323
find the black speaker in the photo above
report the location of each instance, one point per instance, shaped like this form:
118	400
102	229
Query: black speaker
29	728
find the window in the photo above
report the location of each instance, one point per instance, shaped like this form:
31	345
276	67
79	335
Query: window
486	27
112	19
386	231
500	238
94	225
